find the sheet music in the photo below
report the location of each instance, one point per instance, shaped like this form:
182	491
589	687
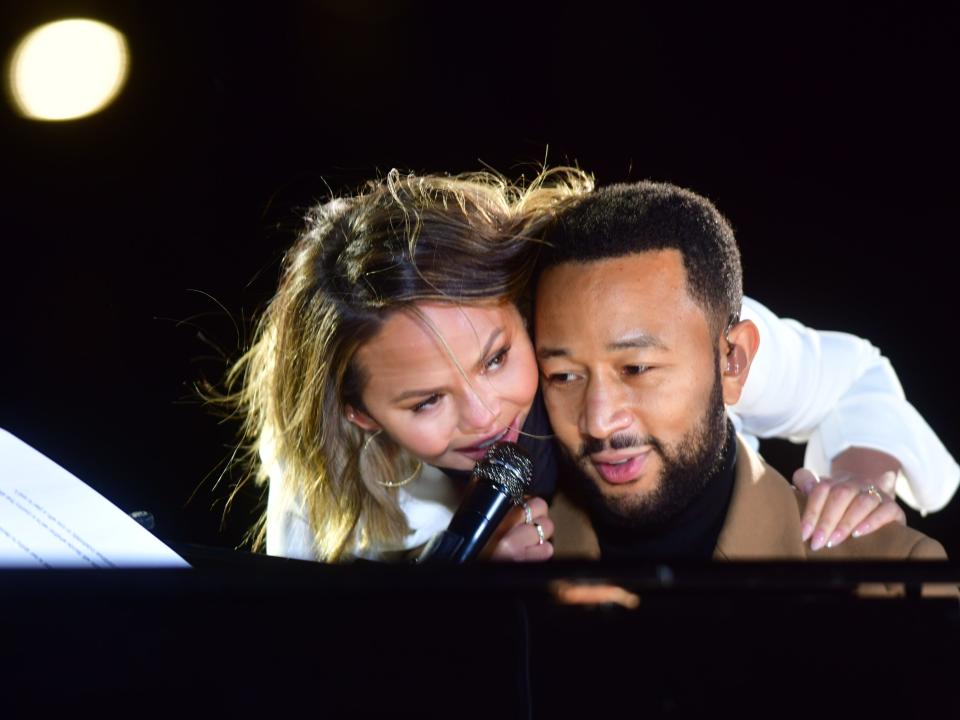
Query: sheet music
51	519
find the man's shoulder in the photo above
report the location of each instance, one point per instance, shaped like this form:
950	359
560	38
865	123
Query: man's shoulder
763	521
891	542
762	489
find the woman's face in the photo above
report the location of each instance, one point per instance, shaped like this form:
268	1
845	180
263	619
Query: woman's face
444	414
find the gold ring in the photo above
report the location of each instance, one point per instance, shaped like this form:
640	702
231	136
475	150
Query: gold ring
540	537
527	514
872	490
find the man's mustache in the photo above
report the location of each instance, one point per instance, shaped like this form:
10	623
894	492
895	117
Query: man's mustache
593	445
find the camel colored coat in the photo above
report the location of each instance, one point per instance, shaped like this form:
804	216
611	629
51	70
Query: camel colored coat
763	523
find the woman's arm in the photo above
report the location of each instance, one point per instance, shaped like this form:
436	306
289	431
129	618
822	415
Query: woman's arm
836	392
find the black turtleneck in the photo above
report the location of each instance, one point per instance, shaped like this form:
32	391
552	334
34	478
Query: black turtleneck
693	533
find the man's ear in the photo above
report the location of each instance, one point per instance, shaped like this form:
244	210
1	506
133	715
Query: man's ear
360	418
737	351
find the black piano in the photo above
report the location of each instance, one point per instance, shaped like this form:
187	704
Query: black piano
240	635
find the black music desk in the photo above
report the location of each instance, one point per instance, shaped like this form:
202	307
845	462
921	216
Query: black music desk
245	636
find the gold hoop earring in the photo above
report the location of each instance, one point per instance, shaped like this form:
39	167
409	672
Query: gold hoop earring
410	478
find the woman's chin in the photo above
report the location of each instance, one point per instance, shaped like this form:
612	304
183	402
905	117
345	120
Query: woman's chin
455	461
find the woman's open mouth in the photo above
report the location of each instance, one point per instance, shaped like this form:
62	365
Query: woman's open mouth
511	433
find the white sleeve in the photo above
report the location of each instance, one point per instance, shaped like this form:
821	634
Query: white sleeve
835	391
288	531
428	504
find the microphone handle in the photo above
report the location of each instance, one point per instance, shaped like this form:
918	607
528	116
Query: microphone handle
479	516
442	548
481	512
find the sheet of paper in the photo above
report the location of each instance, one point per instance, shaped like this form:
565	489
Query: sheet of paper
49	518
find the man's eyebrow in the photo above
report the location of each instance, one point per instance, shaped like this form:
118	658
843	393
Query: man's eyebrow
639	340
545	353
636	340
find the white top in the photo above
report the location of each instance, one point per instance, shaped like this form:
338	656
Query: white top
831	390
834	391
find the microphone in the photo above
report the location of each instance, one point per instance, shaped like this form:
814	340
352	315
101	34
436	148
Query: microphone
499	482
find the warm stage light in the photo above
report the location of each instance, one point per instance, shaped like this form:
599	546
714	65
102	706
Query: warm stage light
67	69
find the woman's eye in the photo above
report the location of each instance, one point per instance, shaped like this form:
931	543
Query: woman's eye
497	360
428	403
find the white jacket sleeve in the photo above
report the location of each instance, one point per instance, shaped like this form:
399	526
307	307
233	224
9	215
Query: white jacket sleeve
835	391
428	504
288	531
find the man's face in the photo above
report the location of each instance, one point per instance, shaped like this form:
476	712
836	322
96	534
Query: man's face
631	382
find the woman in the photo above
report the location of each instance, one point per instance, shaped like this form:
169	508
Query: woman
395	352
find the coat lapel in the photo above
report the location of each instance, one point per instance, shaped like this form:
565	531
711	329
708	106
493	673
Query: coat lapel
573	535
763	520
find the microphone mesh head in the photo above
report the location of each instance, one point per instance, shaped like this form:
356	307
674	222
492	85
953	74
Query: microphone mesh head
507	467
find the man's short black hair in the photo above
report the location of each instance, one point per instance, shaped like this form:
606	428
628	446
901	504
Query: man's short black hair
619	220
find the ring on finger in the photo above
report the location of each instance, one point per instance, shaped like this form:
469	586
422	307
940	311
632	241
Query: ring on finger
527	514
872	490
540	537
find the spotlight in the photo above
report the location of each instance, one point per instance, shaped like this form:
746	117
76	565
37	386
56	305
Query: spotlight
67	69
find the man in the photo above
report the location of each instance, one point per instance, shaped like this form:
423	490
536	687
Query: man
640	346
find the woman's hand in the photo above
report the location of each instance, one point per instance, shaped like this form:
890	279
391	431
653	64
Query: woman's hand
518	538
857	499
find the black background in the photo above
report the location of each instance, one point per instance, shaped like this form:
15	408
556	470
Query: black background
138	242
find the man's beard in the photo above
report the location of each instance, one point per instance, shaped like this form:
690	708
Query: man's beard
686	468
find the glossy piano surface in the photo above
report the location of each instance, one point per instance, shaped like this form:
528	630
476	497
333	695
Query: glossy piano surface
248	636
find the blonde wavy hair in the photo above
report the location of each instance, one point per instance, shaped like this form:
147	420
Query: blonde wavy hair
402	240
